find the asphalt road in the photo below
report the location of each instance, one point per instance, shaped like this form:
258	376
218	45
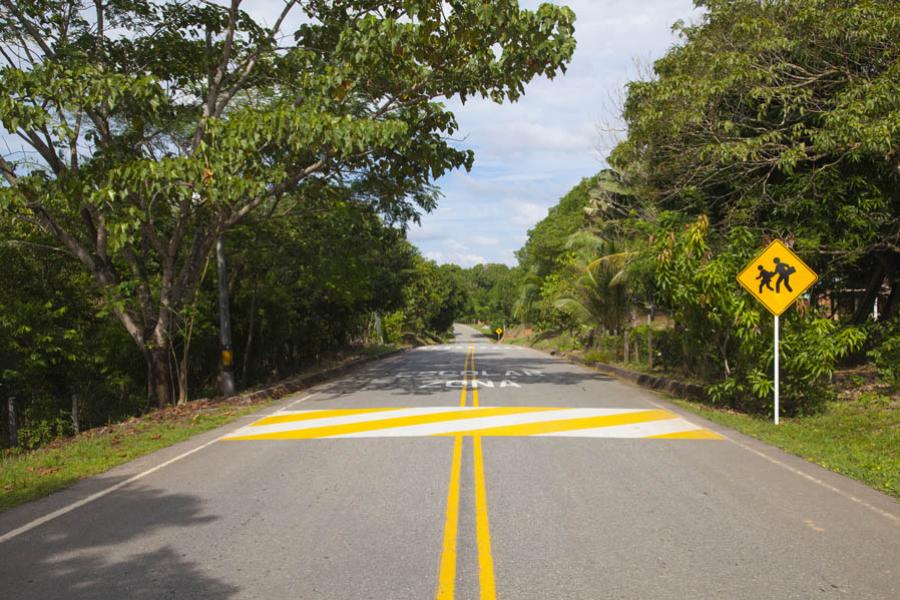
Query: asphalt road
468	470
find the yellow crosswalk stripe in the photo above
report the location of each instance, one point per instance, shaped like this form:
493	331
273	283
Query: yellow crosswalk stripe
498	421
308	415
573	424
388	423
697	434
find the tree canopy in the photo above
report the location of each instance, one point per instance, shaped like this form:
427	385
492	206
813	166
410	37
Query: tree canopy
150	128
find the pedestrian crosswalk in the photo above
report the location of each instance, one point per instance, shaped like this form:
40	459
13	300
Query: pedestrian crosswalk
487	421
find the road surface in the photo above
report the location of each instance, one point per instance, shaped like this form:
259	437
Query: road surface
468	470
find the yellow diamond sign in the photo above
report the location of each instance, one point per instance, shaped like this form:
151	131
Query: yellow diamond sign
777	277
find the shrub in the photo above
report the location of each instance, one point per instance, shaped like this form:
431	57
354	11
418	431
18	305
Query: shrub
886	353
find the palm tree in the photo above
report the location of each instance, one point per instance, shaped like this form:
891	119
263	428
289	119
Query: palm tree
593	298
611	273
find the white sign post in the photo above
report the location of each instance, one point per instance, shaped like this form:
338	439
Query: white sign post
777	352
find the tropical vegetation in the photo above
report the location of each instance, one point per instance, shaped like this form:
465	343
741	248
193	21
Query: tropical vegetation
143	134
769	120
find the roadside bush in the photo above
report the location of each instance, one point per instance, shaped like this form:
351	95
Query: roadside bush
810	349
392	323
886	353
725	337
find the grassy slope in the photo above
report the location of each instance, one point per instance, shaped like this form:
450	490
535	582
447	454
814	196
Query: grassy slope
26	476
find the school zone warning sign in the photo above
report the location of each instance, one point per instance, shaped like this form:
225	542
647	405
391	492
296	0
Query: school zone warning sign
777	277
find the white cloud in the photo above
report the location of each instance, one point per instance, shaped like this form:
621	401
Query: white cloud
528	213
529	154
457	258
482	240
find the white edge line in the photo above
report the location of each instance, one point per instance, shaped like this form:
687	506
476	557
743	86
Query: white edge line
806	476
818	481
96	496
295	402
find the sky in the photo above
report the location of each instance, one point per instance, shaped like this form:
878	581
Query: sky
530	153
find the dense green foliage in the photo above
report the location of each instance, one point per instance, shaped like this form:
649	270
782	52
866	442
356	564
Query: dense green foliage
769	120
303	285
546	243
151	129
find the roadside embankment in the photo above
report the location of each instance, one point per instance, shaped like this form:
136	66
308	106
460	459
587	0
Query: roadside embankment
28	475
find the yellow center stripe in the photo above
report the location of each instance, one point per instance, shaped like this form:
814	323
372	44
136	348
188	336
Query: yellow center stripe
474	387
318	414
332	430
447	577
569	424
462	392
482	528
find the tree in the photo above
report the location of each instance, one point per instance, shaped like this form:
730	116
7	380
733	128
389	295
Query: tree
153	127
783	117
593	296
547	239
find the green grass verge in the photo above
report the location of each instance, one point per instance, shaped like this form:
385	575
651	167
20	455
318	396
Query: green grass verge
26	476
859	438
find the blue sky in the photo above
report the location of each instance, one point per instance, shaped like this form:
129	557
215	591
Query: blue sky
529	154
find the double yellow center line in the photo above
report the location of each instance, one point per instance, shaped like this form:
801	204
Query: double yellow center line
447	577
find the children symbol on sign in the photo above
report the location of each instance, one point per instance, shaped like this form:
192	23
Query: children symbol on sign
784	271
765	278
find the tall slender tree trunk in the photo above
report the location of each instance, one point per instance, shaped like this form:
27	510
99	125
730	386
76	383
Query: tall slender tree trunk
159	376
249	345
227	353
864	307
893	302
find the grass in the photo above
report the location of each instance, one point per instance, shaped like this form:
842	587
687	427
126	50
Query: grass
858	437
26	476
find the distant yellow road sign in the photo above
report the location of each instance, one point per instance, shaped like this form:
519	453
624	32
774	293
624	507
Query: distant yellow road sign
499	331
777	277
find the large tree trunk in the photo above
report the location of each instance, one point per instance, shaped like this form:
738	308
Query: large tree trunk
867	302
159	377
890	309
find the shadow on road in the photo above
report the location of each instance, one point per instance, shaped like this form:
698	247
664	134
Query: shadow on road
76	556
426	373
